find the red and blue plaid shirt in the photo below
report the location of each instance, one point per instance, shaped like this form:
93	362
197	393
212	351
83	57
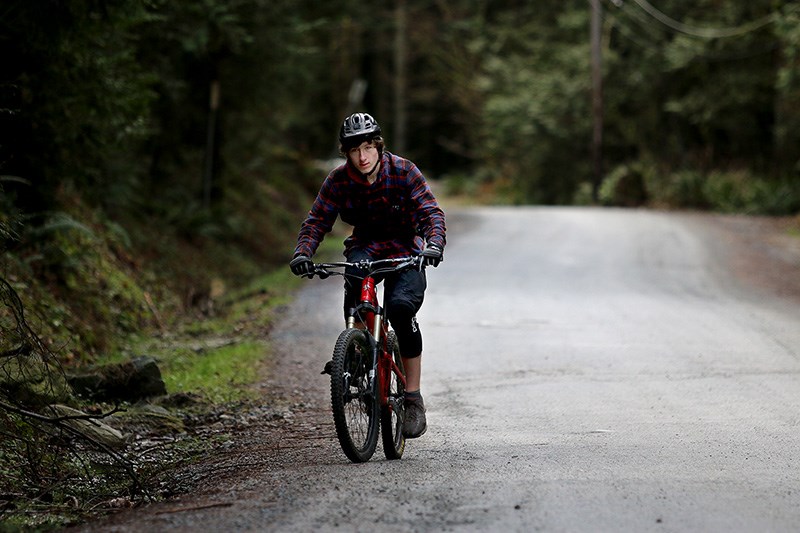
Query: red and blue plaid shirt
392	217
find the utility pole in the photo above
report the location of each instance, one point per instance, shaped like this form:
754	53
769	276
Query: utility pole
597	100
211	138
400	57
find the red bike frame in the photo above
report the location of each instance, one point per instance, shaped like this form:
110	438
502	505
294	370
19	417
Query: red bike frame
374	319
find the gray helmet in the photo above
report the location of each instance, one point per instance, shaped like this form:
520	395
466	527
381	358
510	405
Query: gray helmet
357	128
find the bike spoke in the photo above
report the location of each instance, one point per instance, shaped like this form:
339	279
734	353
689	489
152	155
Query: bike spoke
355	412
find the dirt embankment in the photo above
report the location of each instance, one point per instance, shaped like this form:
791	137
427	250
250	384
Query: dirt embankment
760	253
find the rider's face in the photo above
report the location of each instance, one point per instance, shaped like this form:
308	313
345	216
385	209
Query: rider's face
364	156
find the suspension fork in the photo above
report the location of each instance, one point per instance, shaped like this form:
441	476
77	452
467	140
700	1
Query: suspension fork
371	315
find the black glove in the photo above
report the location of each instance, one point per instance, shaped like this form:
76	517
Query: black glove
432	254
302	266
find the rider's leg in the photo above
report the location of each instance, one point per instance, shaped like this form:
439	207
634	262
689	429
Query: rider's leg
404	299
352	280
413	368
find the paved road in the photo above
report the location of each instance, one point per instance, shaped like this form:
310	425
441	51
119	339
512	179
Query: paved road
585	370
596	371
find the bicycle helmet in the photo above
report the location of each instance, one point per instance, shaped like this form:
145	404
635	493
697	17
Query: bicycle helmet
358	128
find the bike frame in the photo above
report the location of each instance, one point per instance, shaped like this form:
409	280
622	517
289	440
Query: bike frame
374	319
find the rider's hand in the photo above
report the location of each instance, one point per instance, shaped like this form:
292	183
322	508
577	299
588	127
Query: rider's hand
302	266
432	255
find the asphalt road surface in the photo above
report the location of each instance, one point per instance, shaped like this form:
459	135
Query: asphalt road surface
584	370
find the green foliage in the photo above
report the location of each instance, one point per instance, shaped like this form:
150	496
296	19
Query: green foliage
737	191
535	106
625	186
716	89
741	192
101	295
787	117
109	107
117	95
219	374
694	95
683	189
82	89
114	142
50	477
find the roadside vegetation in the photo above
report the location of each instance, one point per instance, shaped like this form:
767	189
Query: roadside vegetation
157	157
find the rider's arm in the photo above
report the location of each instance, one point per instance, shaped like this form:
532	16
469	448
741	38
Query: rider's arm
320	218
428	216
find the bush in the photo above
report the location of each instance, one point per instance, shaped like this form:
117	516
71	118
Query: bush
583	194
741	192
684	189
625	187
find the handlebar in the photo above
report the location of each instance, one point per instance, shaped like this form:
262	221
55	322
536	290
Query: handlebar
378	266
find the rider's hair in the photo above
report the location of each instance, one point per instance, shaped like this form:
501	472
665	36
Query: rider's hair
377	142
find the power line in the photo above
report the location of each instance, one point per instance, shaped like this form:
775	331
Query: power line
643	22
629	28
705	33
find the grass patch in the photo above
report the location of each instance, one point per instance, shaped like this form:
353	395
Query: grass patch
220	374
794	227
220	356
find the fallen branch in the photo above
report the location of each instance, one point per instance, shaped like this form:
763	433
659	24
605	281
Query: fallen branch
195	508
154	310
56	419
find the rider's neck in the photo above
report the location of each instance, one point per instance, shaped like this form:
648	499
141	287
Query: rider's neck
374	175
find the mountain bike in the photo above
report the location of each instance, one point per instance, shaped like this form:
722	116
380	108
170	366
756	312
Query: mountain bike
367	378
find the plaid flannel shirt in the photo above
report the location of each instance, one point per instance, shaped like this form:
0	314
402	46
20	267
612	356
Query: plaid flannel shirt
392	217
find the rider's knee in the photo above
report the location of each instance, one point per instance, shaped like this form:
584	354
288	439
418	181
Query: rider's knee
408	334
400	311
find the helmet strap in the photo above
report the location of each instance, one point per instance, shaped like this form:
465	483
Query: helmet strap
365	175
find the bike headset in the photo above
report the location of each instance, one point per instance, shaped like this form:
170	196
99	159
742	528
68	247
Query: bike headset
359	128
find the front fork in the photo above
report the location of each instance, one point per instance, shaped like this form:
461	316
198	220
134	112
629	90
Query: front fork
372	318
380	373
377	328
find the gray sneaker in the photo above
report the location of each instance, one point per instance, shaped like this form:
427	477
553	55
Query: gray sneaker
415	424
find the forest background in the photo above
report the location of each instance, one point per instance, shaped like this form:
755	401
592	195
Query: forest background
155	155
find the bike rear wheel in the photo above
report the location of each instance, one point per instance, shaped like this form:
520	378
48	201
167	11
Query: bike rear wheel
393	413
355	408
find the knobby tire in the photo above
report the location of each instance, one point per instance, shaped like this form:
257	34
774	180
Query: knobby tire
355	410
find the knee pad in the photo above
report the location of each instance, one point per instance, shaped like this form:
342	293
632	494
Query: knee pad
411	344
408	335
400	311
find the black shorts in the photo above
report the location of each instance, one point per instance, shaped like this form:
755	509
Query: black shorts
405	289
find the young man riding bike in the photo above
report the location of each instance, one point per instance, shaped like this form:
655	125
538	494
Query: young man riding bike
394	214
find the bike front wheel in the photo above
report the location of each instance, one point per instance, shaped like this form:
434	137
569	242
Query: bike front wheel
393	413
353	399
